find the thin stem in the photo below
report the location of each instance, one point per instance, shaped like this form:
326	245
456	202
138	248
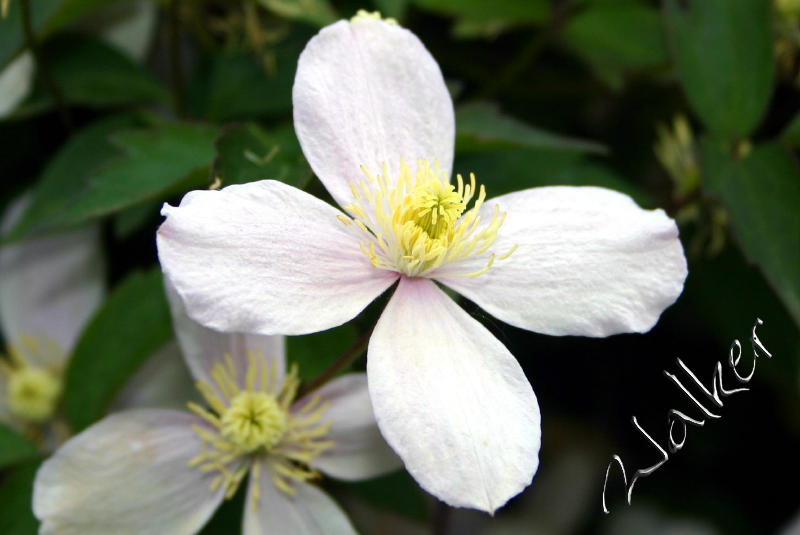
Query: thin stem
175	61
340	364
530	52
44	73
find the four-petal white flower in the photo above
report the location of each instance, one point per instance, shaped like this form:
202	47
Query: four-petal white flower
376	124
156	471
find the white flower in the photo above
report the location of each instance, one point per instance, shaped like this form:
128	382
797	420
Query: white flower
374	117
159	471
49	288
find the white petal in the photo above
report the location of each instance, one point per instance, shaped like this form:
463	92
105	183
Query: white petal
50	286
15	82
203	348
451	400
127	475
365	93
163	381
309	512
266	258
359	450
589	262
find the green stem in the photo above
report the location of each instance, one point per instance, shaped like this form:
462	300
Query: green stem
339	365
530	52
175	61
41	67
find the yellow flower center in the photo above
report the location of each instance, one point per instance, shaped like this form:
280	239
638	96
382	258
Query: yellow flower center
420	224
33	393
254	422
33	377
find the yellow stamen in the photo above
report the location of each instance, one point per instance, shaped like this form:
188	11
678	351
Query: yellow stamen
33	376
420	223
252	420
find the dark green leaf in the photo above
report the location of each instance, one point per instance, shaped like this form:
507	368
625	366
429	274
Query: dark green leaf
791	134
156	163
92	73
16	493
131	325
481	126
396	492
507	170
79	157
617	37
14	448
243	86
392	8
317	12
314	353
724	54
762	193
246	153
514	10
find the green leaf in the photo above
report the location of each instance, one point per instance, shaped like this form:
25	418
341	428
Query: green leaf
246	153
724	55
616	38
762	193
132	324
242	86
396	492
392	8
481	126
791	134
522	11
83	153
506	170
92	73
16	494
314	353
14	448
155	163
317	12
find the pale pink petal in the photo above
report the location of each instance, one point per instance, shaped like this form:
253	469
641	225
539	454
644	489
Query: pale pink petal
51	285
308	512
203	348
451	400
359	450
588	262
365	93
127	475
266	258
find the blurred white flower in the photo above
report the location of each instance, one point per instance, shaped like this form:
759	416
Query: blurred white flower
448	396
162	471
49	288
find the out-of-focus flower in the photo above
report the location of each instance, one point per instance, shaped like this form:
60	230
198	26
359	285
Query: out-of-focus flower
676	150
448	396
49	287
155	471
128	25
